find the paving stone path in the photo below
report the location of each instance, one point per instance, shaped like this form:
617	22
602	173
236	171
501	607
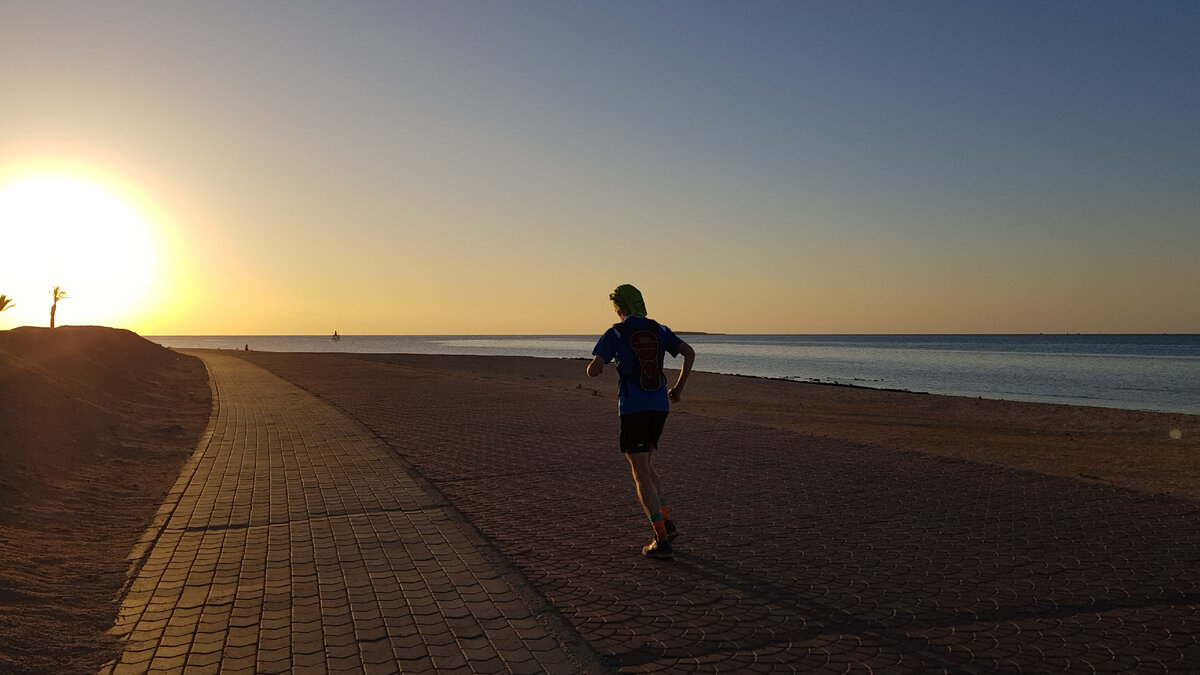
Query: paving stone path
295	540
798	554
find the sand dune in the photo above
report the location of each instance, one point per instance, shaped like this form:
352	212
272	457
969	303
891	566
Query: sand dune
94	426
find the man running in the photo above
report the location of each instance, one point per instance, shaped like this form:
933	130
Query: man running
638	345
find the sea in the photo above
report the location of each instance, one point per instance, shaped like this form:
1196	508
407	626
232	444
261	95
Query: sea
1137	372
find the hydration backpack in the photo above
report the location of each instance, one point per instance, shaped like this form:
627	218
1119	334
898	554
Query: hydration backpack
647	352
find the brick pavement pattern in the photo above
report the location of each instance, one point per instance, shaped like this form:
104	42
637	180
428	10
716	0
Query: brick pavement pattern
296	541
799	553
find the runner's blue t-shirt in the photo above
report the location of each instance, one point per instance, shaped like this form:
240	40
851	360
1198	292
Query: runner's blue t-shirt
631	397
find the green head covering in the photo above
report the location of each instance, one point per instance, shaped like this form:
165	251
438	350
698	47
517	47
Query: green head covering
628	299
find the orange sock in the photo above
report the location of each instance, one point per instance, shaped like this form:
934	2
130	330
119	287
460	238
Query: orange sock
659	525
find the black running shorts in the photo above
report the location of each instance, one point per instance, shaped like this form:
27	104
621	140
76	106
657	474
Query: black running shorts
640	430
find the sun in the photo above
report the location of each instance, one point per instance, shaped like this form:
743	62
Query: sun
77	235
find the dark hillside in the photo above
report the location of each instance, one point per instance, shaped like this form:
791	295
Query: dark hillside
95	424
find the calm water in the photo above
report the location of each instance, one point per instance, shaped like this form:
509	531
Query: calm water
1142	372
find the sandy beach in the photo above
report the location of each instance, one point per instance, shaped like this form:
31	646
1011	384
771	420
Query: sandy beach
95	424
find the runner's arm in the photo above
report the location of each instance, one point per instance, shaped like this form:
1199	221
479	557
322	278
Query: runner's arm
595	367
689	358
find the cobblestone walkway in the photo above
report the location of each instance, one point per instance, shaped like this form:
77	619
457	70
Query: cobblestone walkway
296	541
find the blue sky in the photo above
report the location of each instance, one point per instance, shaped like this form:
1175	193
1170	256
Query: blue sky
798	167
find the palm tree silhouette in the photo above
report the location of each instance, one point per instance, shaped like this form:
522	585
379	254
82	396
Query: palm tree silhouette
5	302
58	294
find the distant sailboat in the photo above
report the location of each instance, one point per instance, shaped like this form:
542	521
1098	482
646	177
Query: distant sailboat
336	337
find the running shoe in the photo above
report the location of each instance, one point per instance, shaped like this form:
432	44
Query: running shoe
659	548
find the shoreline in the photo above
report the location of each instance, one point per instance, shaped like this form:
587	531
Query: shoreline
1123	372
1031	399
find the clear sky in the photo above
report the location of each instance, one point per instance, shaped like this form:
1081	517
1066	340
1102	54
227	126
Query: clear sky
497	167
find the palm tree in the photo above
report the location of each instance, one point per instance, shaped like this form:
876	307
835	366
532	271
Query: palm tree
5	302
58	294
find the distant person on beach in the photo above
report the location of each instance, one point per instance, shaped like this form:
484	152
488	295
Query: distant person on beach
639	344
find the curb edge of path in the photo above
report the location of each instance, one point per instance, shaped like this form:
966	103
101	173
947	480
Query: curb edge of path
140	552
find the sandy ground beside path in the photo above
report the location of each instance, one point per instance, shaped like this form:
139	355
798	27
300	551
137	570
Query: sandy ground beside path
95	424
1127	448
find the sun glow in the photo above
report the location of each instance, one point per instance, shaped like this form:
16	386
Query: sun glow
74	234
